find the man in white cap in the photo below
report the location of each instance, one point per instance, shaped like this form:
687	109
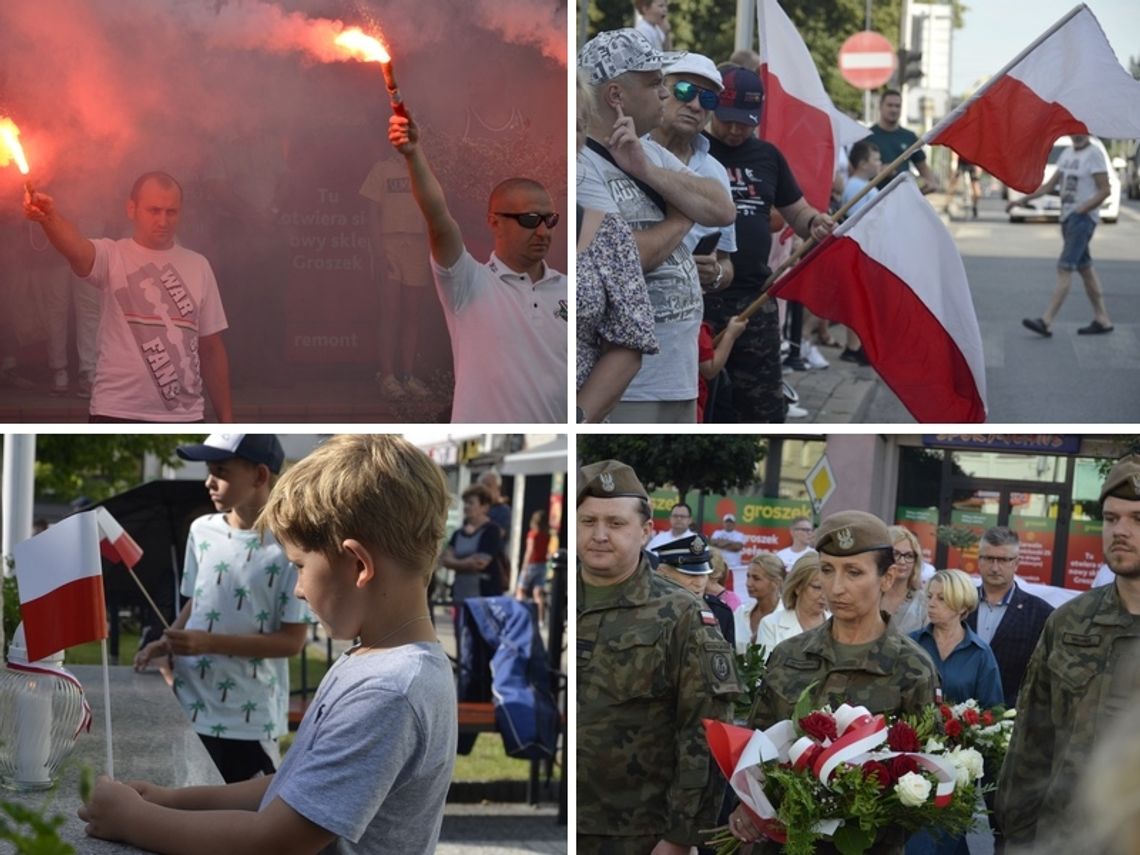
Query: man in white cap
730	541
660	198
694	87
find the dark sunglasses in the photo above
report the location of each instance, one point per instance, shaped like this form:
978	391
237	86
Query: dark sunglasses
685	91
530	219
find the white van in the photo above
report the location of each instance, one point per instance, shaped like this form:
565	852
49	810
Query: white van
1049	206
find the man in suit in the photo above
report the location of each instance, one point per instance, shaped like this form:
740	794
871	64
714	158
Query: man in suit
1007	618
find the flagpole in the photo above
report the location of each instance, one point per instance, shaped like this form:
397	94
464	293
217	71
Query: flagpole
810	242
110	768
138	582
957	112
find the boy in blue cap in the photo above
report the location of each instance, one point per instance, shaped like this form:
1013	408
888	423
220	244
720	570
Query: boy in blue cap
241	623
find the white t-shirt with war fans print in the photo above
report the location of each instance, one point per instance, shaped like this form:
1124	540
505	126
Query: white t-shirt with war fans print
156	305
241	584
1077	185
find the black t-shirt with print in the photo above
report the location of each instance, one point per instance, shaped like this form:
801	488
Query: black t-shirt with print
760	178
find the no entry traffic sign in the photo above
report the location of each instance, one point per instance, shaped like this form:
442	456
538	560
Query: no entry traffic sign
867	60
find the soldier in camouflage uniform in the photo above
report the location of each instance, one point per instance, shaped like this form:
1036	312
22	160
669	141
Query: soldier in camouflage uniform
852	657
651	663
1084	672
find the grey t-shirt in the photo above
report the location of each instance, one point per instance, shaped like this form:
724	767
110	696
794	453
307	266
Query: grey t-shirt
373	757
674	289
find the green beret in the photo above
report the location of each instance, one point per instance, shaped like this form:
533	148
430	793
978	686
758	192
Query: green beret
852	532
689	554
609	479
1123	479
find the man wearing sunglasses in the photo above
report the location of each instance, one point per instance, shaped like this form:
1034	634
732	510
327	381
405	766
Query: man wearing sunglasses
621	172
761	180
694	87
514	304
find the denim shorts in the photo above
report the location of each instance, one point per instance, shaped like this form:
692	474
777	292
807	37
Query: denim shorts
1076	231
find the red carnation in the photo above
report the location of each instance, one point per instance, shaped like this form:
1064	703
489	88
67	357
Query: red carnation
987	718
953	728
819	726
947	713
901	737
875	769
900	765
971	717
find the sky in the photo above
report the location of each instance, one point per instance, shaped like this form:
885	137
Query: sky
997	30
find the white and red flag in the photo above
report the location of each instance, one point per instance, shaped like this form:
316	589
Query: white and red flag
60	579
114	543
1068	81
892	273
798	117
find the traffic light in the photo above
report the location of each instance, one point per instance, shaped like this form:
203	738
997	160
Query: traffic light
909	67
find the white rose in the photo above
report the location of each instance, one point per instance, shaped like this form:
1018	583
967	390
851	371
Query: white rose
1010	714
969	764
933	746
912	789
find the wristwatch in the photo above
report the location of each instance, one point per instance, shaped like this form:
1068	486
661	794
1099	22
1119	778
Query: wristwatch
719	275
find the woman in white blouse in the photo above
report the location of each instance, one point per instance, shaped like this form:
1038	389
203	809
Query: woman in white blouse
764	580
804	605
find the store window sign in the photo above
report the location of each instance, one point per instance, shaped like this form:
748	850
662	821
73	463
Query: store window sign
764	522
1083	556
1051	443
923	522
1037	536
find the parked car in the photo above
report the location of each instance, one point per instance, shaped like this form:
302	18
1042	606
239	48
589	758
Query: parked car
1048	207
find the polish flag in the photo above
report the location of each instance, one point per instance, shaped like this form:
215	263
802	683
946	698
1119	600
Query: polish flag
798	117
60	580
114	543
1067	82
892	273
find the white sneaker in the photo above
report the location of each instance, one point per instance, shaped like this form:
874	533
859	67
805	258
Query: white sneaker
59	381
415	387
390	387
815	359
795	411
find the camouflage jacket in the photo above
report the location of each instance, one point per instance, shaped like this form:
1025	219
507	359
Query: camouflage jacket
893	675
650	666
1083	673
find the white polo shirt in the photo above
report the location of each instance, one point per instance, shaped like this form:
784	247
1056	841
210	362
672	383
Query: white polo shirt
508	341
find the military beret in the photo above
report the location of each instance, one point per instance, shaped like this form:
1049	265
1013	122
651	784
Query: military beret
1123	479
689	554
852	532
609	479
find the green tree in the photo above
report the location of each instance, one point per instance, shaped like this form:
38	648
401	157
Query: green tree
212	615
252	543
218	729
714	463
221	568
224	687
241	592
204	664
99	465
270	728
256	662
262	617
247	708
197	707
271	571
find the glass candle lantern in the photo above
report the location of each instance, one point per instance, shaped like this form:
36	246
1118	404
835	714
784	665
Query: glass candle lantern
42	710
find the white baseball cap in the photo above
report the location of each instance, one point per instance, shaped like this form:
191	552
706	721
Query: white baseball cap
702	66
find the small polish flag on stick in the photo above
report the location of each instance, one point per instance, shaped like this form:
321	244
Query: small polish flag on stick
119	547
60	580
